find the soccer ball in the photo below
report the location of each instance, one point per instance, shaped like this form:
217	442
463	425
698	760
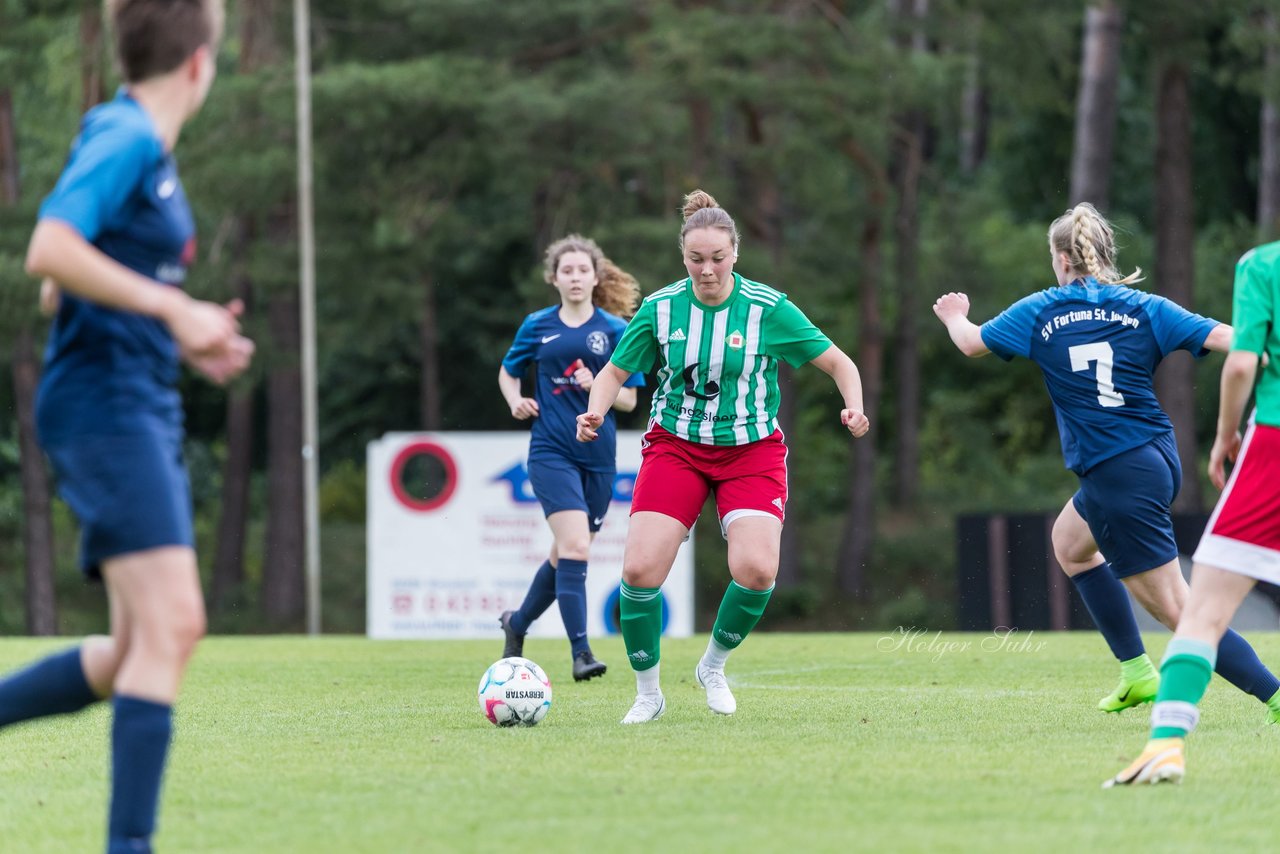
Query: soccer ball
514	692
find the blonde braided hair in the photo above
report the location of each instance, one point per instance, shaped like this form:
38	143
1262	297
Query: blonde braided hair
1088	240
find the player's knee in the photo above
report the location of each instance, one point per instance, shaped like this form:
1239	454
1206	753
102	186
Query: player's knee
101	657
640	574
574	548
182	628
755	574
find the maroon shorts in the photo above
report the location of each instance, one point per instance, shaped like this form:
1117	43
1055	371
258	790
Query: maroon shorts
677	475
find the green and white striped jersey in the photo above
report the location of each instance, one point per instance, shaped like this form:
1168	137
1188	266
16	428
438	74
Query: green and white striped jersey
717	379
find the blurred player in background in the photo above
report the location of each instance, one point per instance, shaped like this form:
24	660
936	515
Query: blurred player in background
1097	341
1241	543
117	235
717	339
569	343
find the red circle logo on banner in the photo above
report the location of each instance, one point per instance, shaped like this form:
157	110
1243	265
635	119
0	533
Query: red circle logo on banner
423	476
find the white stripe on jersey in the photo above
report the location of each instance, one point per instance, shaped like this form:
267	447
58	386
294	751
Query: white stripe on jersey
662	320
752	347
669	290
762	362
759	292
691	348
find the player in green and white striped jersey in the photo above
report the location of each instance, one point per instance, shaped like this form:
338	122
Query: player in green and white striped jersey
716	338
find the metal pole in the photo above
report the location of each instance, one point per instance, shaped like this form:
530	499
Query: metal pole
307	302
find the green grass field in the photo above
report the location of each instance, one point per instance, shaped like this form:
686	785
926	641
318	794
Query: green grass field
841	742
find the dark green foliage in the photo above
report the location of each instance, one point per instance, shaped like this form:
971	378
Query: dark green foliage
455	138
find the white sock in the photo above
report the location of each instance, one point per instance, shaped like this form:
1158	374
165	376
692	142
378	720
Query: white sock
647	680
715	656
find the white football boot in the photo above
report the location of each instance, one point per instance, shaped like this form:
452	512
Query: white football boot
719	698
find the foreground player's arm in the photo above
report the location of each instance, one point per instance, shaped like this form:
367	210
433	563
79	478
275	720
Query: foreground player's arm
57	251
953	310
1219	338
1238	373
626	401
522	407
604	393
836	364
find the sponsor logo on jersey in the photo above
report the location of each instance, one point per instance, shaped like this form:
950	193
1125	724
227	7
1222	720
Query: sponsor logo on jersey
678	335
710	391
735	340
598	342
548	338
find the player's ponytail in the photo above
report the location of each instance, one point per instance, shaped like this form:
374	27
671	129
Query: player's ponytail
702	211
1089	241
616	290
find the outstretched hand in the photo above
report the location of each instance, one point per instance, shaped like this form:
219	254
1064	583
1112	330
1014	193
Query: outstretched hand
588	424
855	421
951	305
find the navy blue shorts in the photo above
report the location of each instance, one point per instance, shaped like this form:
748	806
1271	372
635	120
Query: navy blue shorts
561	485
1126	502
130	493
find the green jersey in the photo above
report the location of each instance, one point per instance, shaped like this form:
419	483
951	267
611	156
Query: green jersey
717	380
1255	317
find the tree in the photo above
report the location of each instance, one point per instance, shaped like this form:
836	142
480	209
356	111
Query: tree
1096	102
906	166
1174	264
37	521
1268	215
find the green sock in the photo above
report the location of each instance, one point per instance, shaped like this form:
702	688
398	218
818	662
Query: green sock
740	610
1137	669
641	623
1184	677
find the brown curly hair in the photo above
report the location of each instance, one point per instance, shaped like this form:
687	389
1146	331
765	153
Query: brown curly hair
616	290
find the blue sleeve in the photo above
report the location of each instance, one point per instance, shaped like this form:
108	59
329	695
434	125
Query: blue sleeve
1008	334
103	173
617	326
1175	328
523	348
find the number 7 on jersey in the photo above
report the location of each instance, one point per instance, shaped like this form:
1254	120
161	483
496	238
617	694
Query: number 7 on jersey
1082	354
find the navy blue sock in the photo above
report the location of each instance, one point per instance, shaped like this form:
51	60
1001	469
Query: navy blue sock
52	686
1108	602
571	593
1239	665
542	592
139	744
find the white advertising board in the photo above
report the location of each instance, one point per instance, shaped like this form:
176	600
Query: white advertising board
455	535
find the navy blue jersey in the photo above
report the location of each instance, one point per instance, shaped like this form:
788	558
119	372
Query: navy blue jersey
1098	347
556	347
109	371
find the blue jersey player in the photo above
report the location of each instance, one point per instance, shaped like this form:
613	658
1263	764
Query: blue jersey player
1097	342
568	344
117	235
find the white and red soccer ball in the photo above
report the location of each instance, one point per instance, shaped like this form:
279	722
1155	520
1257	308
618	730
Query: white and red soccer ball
514	692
